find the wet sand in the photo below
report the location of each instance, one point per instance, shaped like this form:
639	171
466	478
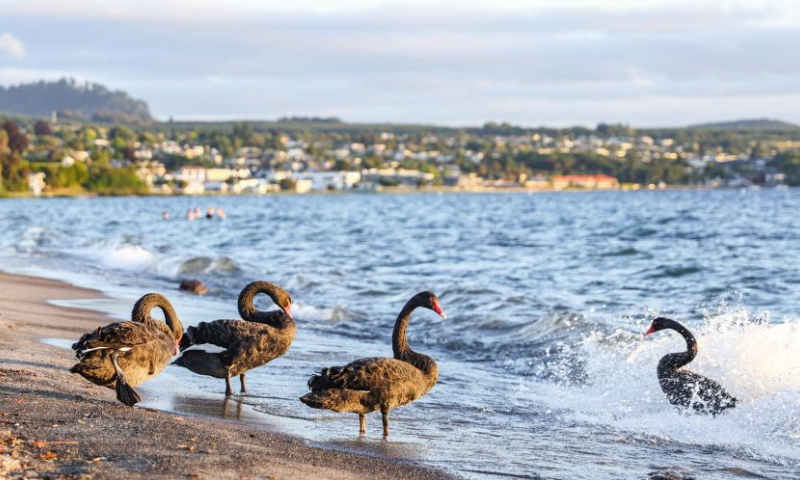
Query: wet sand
54	424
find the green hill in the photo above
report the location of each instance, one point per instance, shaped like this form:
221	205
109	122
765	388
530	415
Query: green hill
761	124
72	100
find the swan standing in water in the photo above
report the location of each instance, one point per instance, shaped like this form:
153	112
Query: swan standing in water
123	355
371	384
249	343
683	388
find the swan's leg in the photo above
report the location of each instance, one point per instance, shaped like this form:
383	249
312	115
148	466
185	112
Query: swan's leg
228	389
239	409
225	407
362	420
241	380
125	393
385	416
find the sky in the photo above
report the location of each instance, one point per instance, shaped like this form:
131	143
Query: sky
547	62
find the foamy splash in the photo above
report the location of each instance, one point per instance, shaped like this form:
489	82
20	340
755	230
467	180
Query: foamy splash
129	257
755	360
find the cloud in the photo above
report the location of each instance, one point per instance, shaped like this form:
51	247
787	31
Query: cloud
11	46
550	61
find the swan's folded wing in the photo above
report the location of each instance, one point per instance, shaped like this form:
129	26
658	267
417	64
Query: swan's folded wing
368	373
224	333
116	335
711	392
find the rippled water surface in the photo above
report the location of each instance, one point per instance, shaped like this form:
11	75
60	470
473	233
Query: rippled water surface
544	371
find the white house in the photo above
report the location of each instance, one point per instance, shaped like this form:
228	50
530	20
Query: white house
336	180
303	186
36	183
191	174
193	151
255	185
194	188
218	174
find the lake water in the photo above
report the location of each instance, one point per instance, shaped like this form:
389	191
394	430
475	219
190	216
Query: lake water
544	369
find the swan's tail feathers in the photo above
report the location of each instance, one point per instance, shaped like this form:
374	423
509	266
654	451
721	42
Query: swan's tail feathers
338	400
186	340
722	402
326	378
319	382
126	394
214	333
204	363
80	347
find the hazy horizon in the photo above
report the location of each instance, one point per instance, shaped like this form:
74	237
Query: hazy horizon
648	64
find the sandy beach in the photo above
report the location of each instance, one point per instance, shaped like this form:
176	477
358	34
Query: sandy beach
54	424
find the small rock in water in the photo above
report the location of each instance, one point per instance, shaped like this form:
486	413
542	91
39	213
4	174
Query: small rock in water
194	286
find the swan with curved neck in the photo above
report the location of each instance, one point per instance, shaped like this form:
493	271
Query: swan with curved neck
685	389
122	355
257	339
372	384
145	305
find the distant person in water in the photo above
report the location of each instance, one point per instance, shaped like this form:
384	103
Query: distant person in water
197	212
221	213
210	213
190	215
165	215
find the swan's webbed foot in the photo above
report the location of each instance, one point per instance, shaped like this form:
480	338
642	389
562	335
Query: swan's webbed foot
241	381
385	417
362	421
228	389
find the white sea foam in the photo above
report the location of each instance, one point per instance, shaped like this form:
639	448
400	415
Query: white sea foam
128	257
310	312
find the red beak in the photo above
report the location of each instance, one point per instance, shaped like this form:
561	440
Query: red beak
288	310
438	309
652	329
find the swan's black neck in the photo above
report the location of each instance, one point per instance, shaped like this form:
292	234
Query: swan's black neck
674	361
277	319
146	304
400	341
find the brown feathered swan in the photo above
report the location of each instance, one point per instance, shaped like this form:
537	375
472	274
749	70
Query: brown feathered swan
372	384
123	355
249	343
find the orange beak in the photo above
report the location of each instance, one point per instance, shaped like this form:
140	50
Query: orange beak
288	310
438	309
652	329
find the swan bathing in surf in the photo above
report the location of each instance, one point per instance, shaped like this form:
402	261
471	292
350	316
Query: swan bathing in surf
683	388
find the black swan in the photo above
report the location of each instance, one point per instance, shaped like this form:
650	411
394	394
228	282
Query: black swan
371	384
249	343
683	388
123	355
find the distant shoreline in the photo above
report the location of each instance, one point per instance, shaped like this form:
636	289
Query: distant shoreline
394	191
